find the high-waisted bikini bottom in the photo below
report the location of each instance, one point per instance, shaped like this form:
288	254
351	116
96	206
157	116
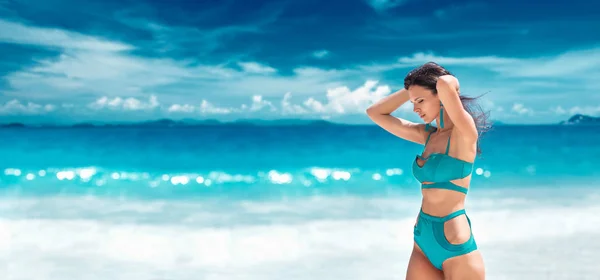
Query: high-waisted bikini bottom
429	236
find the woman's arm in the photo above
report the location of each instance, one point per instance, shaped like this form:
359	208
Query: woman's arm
380	114
447	87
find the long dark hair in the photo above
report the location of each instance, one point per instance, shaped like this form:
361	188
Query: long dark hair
427	75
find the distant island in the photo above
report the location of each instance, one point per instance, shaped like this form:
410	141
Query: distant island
580	119
184	123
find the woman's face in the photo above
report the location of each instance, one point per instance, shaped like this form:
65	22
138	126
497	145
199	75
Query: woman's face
425	103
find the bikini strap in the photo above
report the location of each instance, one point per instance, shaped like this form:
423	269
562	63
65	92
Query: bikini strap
428	136
448	145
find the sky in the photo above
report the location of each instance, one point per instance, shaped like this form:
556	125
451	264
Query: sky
124	60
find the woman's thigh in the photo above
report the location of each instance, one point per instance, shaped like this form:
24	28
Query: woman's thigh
419	267
468	267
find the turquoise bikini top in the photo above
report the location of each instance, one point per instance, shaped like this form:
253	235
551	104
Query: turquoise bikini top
439	169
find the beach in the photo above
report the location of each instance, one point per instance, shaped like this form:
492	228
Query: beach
98	239
280	204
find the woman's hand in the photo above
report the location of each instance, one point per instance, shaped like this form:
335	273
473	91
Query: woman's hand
448	81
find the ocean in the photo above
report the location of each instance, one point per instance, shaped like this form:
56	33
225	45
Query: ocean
283	202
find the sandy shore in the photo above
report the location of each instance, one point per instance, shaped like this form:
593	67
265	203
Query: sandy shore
550	242
574	257
551	258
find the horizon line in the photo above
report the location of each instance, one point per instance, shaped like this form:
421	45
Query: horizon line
240	121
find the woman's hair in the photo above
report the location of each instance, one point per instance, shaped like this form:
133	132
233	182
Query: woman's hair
427	75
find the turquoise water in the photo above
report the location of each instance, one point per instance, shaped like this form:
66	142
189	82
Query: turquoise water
270	202
270	162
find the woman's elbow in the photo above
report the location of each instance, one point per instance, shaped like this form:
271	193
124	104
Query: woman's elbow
372	110
369	110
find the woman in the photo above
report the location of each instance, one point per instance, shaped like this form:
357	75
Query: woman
444	246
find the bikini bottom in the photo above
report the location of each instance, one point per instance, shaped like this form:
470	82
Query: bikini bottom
429	236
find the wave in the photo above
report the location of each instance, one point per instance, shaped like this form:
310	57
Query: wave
99	181
312	180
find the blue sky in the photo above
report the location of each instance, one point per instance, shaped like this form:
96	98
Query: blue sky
66	61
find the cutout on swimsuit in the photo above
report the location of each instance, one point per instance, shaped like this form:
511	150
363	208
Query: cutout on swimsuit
439	169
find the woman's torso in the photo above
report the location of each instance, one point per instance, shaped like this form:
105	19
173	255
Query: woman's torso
446	162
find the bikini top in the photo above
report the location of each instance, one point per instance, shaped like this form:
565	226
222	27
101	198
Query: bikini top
441	168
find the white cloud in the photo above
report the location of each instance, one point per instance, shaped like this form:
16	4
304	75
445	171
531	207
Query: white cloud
181	108
337	101
421	58
204	108
15	107
95	65
204	41
558	110
305	81
12	32
342	100
110	73
255	67
208	108
520	109
258	104
569	64
381	5
126	104
106	73
321	53
584	110
288	108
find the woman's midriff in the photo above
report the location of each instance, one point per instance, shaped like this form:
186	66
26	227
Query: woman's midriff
441	202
